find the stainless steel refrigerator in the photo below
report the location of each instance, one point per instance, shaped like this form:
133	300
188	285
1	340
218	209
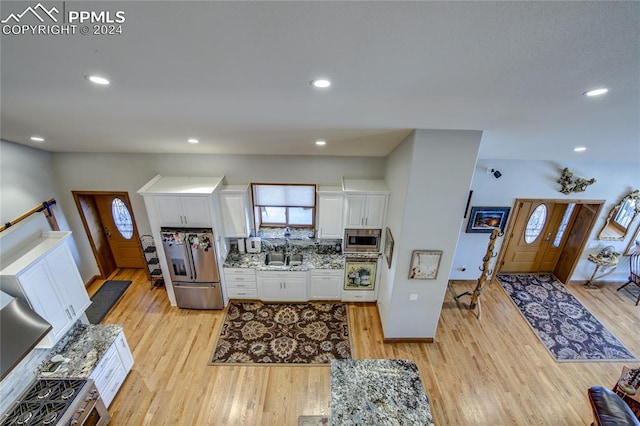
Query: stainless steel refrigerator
191	258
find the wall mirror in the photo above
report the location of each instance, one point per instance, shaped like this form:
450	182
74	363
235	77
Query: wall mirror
620	218
634	244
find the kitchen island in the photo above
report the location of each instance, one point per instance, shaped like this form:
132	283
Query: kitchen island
377	392
84	346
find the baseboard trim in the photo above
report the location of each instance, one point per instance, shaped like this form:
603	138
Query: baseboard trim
408	340
91	280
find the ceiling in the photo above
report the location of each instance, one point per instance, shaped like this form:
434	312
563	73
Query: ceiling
235	75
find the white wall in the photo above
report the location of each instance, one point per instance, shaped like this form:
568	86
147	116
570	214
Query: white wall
26	181
537	179
129	172
397	175
441	170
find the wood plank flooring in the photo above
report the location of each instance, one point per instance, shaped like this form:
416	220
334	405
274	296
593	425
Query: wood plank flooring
489	372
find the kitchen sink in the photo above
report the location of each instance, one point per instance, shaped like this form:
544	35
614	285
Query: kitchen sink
294	259
275	259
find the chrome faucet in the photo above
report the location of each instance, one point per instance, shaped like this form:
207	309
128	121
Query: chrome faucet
287	232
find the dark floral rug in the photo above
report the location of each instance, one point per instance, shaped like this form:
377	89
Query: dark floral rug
259	333
568	330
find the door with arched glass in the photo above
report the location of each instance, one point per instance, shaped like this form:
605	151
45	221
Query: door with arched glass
119	230
535	242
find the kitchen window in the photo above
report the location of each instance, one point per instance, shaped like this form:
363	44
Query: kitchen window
279	205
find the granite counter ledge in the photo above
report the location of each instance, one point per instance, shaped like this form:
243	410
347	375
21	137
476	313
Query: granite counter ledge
377	392
84	345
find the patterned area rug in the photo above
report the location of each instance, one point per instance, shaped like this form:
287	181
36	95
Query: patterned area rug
305	334
568	330
313	421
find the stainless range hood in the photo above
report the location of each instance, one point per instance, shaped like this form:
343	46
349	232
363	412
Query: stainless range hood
20	330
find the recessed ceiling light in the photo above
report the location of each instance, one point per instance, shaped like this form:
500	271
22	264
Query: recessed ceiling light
97	80
580	148
596	92
320	83
37	139
321	143
192	140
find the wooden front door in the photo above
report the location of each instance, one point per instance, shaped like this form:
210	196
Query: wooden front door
120	230
114	240
533	244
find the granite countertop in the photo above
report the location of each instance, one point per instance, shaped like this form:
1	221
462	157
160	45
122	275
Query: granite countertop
310	260
84	345
378	392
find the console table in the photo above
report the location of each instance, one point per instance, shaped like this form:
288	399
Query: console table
606	264
632	400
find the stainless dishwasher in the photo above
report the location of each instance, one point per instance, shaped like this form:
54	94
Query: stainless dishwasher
191	257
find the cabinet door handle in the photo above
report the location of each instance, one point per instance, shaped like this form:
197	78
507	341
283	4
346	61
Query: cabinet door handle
72	310
68	314
185	220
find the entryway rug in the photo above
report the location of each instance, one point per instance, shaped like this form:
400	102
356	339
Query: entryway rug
105	298
568	330
278	333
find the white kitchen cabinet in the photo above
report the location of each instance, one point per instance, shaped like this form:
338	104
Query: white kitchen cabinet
44	275
282	286
330	212
366	203
183	211
326	284
112	369
241	283
365	211
234	203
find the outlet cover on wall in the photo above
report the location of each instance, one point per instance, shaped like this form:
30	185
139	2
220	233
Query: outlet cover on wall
413	297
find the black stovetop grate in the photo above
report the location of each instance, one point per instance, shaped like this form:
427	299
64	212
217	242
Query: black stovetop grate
44	403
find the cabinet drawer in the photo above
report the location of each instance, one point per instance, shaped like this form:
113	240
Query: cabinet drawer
239	272
358	296
327	272
115	382
241	285
237	293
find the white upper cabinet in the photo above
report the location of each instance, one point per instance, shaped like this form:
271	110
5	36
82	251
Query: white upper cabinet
44	275
183	211
330	212
234	203
365	211
181	201
366	203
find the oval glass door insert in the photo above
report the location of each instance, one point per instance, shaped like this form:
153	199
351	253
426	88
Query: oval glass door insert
535	224
122	218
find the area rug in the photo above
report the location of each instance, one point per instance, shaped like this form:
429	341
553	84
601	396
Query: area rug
104	299
313	421
568	330
303	334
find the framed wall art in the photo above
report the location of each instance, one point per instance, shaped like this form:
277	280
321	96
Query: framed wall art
388	247
424	264
484	219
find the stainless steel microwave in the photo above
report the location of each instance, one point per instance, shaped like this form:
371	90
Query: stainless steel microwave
362	240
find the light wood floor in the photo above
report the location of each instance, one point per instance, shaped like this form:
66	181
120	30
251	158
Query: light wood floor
489	372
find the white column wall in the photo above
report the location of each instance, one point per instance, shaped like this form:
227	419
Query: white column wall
441	170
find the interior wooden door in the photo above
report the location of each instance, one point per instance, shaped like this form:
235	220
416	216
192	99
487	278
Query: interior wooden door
95	231
528	245
584	219
120	230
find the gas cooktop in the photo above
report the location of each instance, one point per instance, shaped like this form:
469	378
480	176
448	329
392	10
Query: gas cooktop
44	403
